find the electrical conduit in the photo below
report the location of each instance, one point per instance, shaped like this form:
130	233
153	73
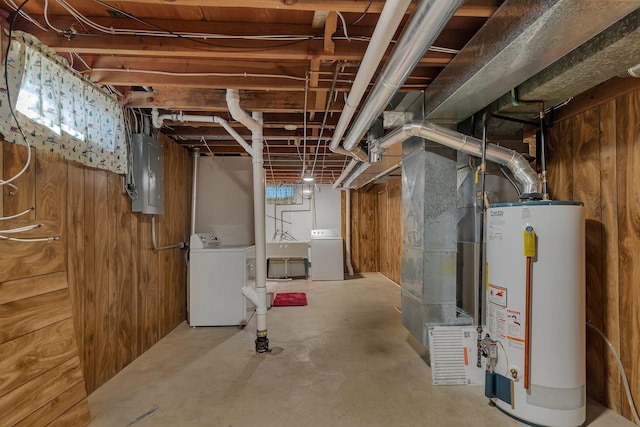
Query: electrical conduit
194	190
427	21
347	170
348	232
390	18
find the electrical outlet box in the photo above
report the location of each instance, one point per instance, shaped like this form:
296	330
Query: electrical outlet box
148	172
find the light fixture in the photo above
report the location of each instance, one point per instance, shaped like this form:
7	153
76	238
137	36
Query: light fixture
290	126
307	179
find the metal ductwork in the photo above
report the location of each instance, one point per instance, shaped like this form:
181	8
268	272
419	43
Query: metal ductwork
513	160
426	22
633	72
521	39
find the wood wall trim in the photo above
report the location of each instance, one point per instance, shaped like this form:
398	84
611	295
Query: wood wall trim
31	355
27	315
14	406
598	95
29	287
55	409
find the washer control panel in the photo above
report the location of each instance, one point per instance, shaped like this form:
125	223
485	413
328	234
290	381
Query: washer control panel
325	232
203	241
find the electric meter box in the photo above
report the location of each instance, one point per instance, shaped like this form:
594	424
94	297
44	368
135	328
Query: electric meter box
148	173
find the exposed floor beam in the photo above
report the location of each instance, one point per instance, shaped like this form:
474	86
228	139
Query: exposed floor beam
238	49
214	100
311	5
187	131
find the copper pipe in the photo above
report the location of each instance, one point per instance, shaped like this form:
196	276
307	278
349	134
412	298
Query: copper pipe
527	326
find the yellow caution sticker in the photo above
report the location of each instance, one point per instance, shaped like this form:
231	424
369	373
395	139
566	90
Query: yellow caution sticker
529	242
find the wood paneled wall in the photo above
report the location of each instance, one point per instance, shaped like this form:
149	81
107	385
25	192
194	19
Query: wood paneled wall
389	213
594	157
124	296
376	229
41	380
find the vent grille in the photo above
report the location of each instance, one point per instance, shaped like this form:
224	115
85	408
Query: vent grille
454	355
448	355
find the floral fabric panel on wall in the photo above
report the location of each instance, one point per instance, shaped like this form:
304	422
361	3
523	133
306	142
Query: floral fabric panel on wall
59	110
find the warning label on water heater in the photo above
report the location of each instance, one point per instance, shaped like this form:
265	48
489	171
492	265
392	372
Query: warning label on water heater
514	324
515	329
497	311
496	225
497	295
497	321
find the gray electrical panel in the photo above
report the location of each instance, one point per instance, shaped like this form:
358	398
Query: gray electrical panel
148	174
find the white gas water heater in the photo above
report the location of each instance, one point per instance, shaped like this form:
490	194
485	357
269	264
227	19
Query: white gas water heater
534	340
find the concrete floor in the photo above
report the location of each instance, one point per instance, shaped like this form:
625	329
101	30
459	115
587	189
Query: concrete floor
343	360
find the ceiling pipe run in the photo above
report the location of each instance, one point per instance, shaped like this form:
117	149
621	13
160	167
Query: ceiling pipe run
425	25
157	120
194	190
390	18
258	295
517	164
345	173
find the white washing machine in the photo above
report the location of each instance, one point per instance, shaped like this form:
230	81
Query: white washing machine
327	260
217	274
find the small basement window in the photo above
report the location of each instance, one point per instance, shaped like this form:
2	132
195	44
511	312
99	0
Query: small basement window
280	194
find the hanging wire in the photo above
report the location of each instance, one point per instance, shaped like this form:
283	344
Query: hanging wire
266	144
506	175
130	181
21	229
19	11
324	118
361	17
204	42
46	18
304	126
204	141
35	239
8	92
623	373
185	74
344	25
4	218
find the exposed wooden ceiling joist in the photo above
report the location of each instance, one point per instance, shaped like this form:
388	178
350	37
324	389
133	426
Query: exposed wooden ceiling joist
237	49
276	77
476	11
214	100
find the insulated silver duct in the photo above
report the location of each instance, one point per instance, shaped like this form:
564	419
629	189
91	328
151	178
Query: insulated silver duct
426	22
517	164
632	72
